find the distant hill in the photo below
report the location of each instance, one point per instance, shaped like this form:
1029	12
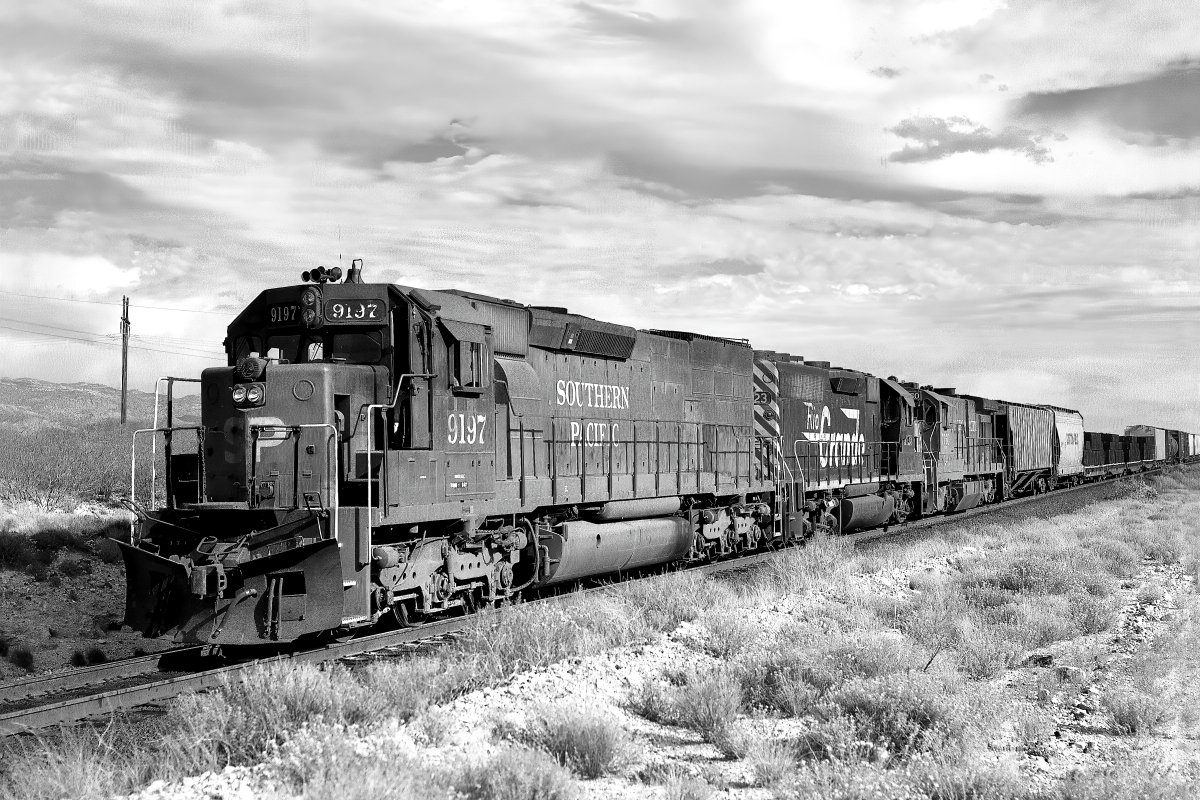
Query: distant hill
29	404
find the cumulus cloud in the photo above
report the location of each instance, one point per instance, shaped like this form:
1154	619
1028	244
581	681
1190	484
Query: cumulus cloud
938	138
730	168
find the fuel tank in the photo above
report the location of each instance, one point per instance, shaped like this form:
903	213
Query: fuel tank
581	549
866	511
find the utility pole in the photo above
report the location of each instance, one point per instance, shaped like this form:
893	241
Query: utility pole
124	354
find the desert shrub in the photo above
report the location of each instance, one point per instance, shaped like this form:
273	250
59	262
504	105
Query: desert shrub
271	702
797	568
727	632
848	782
681	786
1038	621
38	570
664	602
906	714
1150	593
78	659
55	468
1118	558
835	737
963	782
539	635
74	567
588	743
1164	543
4	645
16	550
1131	782
55	538
515	773
1092	614
21	658
405	688
95	655
708	703
323	761
771	760
650	702
1134	713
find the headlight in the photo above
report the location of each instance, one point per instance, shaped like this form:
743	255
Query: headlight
310	298
239	394
309	317
254	394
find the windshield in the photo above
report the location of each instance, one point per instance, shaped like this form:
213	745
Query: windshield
351	347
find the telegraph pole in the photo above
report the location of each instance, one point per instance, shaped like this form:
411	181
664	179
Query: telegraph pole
124	354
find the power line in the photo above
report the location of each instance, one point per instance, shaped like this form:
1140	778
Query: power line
110	303
106	342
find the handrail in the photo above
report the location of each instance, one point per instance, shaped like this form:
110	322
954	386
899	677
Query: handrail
133	462
167	443
332	477
367	408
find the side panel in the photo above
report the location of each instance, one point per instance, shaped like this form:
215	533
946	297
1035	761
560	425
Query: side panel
1068	426
1031	432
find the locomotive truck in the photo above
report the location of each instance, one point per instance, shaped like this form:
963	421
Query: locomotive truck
374	451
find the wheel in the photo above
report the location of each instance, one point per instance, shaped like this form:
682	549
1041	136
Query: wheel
404	618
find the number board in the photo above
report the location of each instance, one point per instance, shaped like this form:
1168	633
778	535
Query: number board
284	314
362	312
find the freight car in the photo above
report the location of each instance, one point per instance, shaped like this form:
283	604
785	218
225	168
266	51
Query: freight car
373	451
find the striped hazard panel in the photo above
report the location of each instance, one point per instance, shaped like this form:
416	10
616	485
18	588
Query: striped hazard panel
766	398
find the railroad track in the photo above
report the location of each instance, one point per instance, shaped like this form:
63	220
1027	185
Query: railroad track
153	679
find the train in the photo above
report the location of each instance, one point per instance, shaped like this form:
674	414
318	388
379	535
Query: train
381	454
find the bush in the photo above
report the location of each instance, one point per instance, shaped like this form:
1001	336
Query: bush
21	658
96	656
905	714
727	632
16	550
771	760
55	468
587	743
74	567
708	703
4	645
1134	713
665	601
515	774
540	635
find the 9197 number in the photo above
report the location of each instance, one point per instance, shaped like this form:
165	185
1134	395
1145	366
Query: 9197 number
465	428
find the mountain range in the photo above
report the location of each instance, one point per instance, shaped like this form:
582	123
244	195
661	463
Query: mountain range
29	404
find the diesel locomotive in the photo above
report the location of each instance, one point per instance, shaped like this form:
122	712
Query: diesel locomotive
374	451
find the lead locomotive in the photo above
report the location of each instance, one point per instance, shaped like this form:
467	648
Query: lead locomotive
374	451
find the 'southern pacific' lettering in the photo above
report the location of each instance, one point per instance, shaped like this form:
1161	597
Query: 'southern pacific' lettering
582	394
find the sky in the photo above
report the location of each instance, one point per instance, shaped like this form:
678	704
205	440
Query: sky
995	196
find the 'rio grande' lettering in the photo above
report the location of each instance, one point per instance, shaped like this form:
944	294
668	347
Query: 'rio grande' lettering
592	395
835	449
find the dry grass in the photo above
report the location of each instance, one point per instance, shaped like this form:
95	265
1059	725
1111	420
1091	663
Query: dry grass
588	743
1133	712
324	762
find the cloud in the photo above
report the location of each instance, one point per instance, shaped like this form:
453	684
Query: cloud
1166	104
938	138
